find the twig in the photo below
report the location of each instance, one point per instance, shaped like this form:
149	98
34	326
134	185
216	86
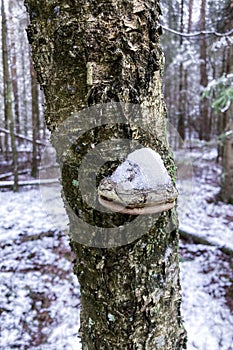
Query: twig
202	32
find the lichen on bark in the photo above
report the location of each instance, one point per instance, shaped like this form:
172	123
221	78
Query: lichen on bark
89	53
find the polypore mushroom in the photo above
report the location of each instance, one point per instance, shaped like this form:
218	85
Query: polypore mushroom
140	185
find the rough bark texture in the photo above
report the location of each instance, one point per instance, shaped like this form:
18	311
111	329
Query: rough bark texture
89	52
227	164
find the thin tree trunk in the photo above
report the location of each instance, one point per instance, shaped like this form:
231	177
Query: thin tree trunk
35	120
204	127
190	15
94	54
189	127
225	117
5	74
14	78
42	112
181	108
25	61
226	193
8	99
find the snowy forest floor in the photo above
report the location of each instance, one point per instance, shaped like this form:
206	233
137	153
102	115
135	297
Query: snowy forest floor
40	299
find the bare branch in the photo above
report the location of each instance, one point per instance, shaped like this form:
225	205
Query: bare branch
22	137
205	32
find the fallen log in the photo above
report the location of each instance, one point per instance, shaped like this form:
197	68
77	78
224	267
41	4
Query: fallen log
20	172
25	171
22	137
191	236
9	184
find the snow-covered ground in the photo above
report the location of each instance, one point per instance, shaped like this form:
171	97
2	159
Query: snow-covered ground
206	273
198	211
40	296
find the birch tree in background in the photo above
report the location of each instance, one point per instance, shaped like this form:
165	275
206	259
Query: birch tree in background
7	91
35	119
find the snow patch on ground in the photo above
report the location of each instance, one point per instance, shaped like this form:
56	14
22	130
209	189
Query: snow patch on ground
208	321
205	272
197	208
22	212
40	298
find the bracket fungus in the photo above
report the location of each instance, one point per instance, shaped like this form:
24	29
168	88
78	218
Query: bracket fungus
140	185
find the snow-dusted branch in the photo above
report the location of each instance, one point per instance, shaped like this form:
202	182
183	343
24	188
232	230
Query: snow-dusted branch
10	183
203	32
22	137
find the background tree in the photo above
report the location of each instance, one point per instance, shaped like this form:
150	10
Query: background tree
35	120
94	53
7	90
181	110
198	69
204	129
227	114
14	75
23	107
220	92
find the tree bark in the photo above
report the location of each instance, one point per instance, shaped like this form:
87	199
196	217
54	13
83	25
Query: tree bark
35	120
14	75
89	54
226	193
5	77
25	62
190	6
224	117
225	121
204	127
7	91
181	94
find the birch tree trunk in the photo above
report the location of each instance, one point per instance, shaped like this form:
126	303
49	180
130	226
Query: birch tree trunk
35	120
14	78
92	53
7	92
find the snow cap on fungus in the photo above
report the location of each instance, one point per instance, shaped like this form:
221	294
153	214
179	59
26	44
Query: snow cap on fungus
140	185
